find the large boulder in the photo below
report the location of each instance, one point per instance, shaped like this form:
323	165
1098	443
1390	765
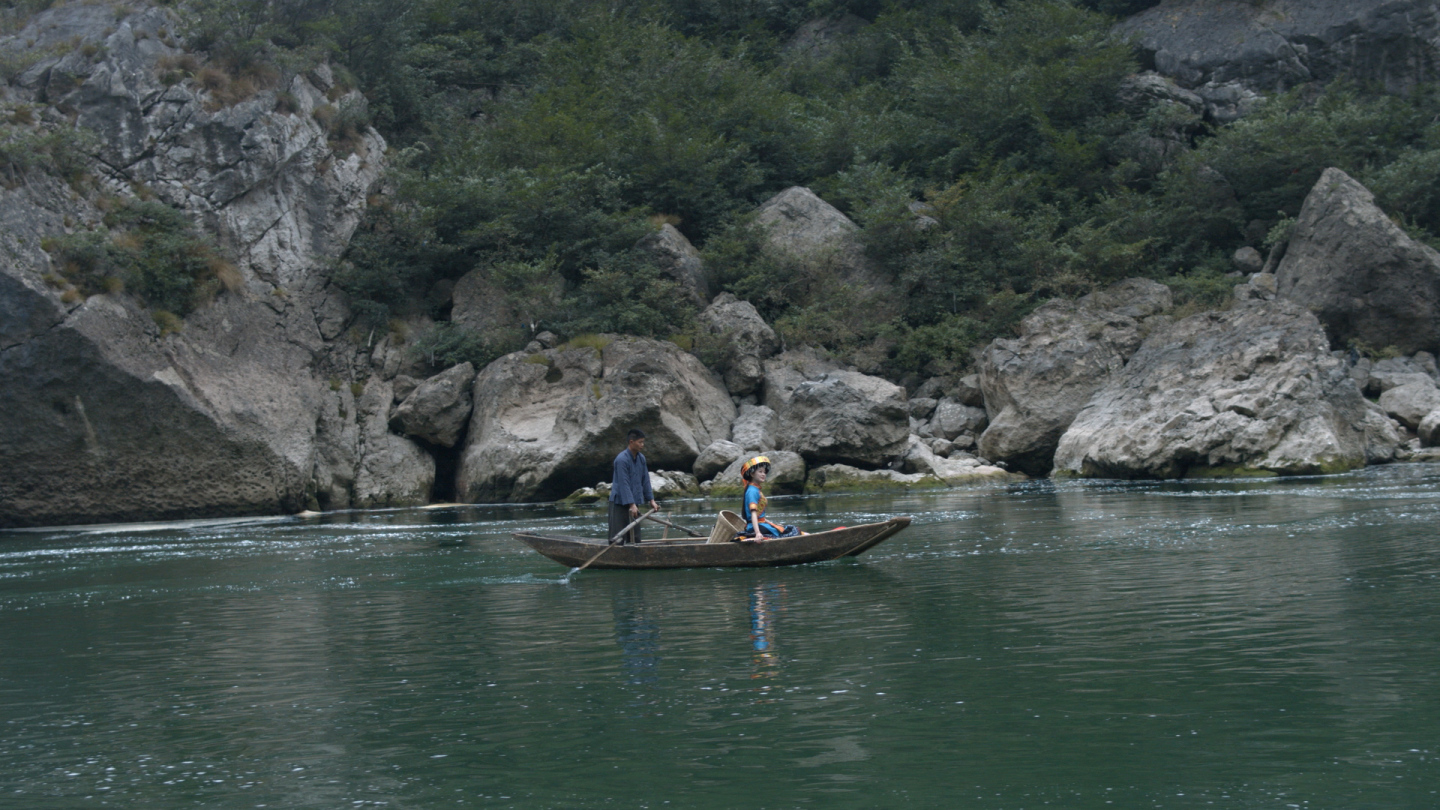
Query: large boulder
1232	52
799	225
679	259
1251	390
743	341
359	464
846	417
1036	383
715	457
755	428
438	410
1411	402
787	475
548	422
951	419
786	371
1359	271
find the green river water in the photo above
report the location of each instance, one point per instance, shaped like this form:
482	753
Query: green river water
1249	644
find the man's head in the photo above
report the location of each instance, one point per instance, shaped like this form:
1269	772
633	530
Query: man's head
635	440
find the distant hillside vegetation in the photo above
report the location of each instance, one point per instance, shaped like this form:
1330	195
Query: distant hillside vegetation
538	140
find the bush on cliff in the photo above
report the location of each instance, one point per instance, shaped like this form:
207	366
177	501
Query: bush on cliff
150	250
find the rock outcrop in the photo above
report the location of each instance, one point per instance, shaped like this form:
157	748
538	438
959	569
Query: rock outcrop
745	341
1363	276
960	469
1035	384
1231	52
801	226
679	260
787	476
846	417
786	371
438	410
1251	390
107	416
756	428
548	422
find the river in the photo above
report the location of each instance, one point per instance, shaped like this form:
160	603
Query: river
1249	644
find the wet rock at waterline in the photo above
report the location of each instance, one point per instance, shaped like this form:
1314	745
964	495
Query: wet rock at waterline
960	468
1251	390
1036	383
548	422
786	477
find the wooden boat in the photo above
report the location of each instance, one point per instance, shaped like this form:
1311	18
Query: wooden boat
850	541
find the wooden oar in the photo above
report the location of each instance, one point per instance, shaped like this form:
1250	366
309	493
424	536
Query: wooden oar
651	516
613	541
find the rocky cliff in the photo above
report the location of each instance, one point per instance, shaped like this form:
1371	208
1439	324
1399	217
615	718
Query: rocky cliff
1234	52
115	412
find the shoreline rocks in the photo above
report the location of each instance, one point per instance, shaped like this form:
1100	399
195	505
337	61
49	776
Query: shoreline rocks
1251	391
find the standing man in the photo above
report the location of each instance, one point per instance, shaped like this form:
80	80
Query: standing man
630	487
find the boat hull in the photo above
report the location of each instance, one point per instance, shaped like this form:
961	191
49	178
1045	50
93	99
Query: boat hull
685	553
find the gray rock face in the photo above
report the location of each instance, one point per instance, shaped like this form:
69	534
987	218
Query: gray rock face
755	428
1412	402
787	370
1359	272
1231	52
920	458
1251	389
549	422
787	475
846	417
952	419
679	259
438	410
1382	436
1390	372
393	470
801	226
745	338
108	419
1429	429
1035	384
715	457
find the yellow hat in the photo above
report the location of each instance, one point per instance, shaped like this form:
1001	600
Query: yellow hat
751	464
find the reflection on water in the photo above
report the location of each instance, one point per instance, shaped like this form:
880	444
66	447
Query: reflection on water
767	601
638	635
1073	644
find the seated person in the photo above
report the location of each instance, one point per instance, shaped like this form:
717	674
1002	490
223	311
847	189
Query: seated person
754	472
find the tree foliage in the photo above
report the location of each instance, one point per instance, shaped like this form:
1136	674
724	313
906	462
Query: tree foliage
979	144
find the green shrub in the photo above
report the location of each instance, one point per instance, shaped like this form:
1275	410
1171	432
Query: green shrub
151	250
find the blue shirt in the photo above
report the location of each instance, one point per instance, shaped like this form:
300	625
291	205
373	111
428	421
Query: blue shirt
631	482
754	499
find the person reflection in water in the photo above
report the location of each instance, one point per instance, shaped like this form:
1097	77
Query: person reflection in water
639	638
765	602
